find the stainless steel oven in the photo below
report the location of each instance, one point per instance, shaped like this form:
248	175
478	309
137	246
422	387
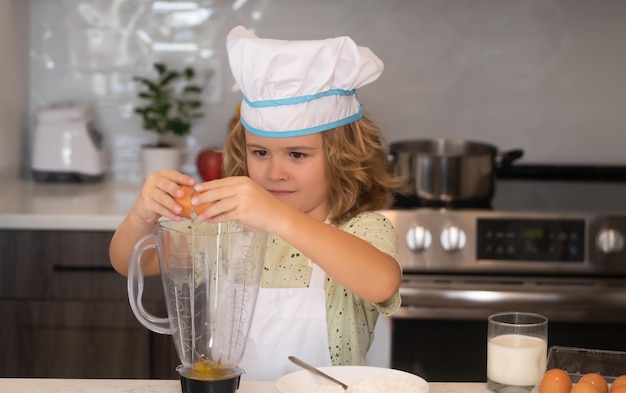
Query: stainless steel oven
551	247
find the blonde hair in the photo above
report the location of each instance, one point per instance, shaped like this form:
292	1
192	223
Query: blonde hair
356	163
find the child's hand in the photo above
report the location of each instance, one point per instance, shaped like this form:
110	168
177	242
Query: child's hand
239	199
157	196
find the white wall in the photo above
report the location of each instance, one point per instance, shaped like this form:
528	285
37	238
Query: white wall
546	76
13	84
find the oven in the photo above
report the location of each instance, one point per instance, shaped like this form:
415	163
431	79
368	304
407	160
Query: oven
552	247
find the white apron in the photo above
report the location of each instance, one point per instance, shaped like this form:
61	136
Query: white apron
287	321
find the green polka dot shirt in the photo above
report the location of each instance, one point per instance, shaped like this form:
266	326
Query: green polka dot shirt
350	319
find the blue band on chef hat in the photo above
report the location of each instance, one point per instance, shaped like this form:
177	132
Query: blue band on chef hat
304	131
298	100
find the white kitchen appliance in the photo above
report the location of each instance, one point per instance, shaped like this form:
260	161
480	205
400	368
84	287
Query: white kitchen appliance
67	148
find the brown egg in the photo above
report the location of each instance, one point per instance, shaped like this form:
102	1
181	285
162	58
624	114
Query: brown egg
596	380
618	389
555	381
583	387
185	202
619	381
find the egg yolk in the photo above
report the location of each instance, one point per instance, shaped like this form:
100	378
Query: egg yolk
209	367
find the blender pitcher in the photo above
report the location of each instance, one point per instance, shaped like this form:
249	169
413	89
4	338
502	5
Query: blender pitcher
211	275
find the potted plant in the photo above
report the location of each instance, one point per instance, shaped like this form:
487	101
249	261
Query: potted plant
171	104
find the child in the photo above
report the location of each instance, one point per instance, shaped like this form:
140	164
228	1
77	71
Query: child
306	166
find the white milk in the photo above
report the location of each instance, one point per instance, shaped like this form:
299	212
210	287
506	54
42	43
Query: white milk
514	359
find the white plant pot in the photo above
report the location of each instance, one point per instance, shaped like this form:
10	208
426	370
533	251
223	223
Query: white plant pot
156	158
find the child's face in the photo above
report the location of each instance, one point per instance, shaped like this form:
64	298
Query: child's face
292	169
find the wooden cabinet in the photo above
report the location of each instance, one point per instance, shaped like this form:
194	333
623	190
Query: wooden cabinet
65	313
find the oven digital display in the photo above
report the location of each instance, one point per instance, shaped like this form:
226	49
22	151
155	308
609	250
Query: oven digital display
531	240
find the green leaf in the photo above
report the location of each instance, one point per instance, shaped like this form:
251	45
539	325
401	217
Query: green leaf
160	68
192	89
169	78
150	85
146	95
189	73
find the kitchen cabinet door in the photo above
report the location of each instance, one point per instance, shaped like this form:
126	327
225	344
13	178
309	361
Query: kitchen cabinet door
63	265
65	312
73	340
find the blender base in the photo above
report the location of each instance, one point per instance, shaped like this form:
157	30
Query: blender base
189	385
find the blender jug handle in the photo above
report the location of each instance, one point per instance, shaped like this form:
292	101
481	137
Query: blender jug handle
135	288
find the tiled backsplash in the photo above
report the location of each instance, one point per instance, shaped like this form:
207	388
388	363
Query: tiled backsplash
13	82
542	75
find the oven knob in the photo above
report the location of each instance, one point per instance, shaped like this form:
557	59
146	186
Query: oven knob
452	239
418	238
610	241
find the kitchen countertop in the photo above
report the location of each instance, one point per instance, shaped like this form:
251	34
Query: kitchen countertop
65	206
13	385
102	206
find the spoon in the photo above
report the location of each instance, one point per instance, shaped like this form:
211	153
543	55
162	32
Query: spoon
312	369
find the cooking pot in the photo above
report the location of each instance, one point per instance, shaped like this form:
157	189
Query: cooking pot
449	171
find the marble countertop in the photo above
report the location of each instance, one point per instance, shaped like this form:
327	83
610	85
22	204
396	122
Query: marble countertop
37	385
65	206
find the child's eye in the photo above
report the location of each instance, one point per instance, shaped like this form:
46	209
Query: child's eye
296	154
260	153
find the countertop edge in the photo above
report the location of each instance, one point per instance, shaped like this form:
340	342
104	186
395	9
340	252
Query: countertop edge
27	205
36	385
59	222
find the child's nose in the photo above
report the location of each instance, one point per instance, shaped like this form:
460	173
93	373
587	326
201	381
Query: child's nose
277	170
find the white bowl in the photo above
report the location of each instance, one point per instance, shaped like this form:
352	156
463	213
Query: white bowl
306	382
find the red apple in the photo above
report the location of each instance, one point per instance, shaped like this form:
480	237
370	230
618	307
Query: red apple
209	164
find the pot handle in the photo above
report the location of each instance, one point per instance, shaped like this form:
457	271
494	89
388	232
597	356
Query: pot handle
392	160
506	158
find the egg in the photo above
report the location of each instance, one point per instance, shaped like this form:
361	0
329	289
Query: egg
618	389
555	381
619	381
584	387
185	202
597	381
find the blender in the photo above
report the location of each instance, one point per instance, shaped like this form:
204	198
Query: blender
211	275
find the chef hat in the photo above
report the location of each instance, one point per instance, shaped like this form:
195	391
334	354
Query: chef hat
293	88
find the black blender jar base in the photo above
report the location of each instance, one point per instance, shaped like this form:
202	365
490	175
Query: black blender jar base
189	385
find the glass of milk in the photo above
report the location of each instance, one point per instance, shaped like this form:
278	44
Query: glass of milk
517	351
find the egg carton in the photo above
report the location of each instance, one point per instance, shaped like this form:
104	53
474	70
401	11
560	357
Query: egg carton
580	361
577	362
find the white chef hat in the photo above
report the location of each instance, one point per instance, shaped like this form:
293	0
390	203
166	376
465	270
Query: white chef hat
293	88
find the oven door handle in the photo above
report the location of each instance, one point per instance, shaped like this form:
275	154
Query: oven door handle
463	304
575	299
